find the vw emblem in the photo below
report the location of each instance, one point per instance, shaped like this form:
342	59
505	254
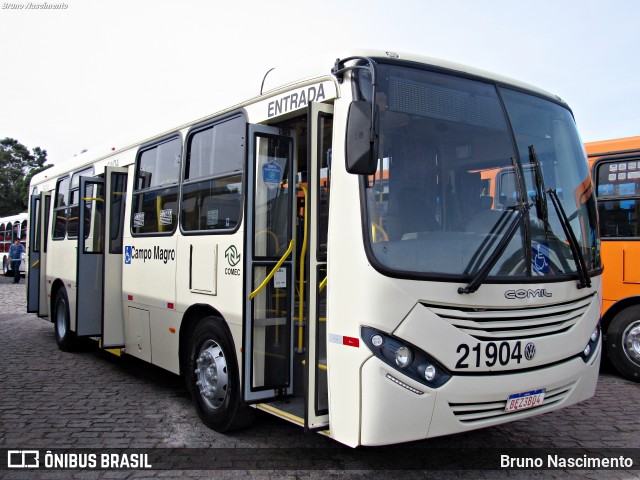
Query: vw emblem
529	351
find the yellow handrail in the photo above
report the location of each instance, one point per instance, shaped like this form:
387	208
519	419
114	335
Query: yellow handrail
273	271
323	284
303	252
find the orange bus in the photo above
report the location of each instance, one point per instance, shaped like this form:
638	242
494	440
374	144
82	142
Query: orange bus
615	165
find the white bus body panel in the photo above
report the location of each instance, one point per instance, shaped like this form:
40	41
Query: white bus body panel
383	399
221	288
61	265
148	284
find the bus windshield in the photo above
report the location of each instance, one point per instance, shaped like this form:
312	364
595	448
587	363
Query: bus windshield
467	168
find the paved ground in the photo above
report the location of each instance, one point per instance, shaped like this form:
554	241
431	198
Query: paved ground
93	400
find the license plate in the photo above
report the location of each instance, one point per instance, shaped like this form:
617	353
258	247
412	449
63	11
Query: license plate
524	400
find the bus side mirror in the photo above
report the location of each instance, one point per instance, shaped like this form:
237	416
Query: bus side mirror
360	151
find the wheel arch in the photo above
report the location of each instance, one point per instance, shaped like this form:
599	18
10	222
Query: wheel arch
192	316
615	309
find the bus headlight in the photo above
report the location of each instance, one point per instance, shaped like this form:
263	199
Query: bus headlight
405	357
591	346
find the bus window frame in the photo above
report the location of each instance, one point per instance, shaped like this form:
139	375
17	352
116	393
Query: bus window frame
77	174
135	192
238	114
595	169
57	208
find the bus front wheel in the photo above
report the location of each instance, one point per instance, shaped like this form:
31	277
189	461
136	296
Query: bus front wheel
64	336
623	342
213	378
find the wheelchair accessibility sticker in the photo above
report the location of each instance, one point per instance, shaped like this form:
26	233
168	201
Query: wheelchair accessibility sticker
540	258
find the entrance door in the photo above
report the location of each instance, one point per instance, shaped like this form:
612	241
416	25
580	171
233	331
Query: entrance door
36	255
319	167
113	316
269	264
89	278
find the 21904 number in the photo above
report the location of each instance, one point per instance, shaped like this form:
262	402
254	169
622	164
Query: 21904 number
489	354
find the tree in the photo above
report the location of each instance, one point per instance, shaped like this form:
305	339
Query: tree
17	166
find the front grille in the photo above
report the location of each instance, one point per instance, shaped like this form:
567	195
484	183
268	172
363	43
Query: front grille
505	323
470	413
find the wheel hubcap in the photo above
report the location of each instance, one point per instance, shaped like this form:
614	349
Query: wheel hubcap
211	374
631	342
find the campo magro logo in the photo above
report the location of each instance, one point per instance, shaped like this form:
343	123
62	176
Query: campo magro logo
232	255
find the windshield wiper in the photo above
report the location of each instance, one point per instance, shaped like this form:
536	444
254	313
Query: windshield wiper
542	210
543	214
482	273
581	265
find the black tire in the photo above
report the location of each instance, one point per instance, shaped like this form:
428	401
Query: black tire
213	378
623	343
6	267
65	338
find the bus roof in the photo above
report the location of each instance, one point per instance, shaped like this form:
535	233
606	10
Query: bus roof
12	218
614	146
315	71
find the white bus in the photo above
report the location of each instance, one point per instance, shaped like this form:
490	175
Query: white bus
328	252
12	227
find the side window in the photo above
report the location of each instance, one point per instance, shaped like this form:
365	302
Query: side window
618	194
118	196
60	205
212	188
23	233
155	196
75	201
325	133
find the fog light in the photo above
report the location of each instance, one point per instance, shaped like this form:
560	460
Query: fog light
594	335
404	357
377	340
587	350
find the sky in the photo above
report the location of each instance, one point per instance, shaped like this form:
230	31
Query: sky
86	75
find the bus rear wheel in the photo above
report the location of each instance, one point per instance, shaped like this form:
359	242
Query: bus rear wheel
213	378
6	267
64	336
623	343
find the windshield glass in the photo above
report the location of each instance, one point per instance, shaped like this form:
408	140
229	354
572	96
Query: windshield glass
461	164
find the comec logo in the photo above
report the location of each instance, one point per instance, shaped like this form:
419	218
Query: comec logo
232	255
522	293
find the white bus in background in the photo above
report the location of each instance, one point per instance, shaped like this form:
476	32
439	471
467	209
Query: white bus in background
326	252
12	227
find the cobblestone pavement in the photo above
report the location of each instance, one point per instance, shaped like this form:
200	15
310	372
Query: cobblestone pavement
91	399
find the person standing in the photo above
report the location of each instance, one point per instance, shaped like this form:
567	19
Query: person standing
15	255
